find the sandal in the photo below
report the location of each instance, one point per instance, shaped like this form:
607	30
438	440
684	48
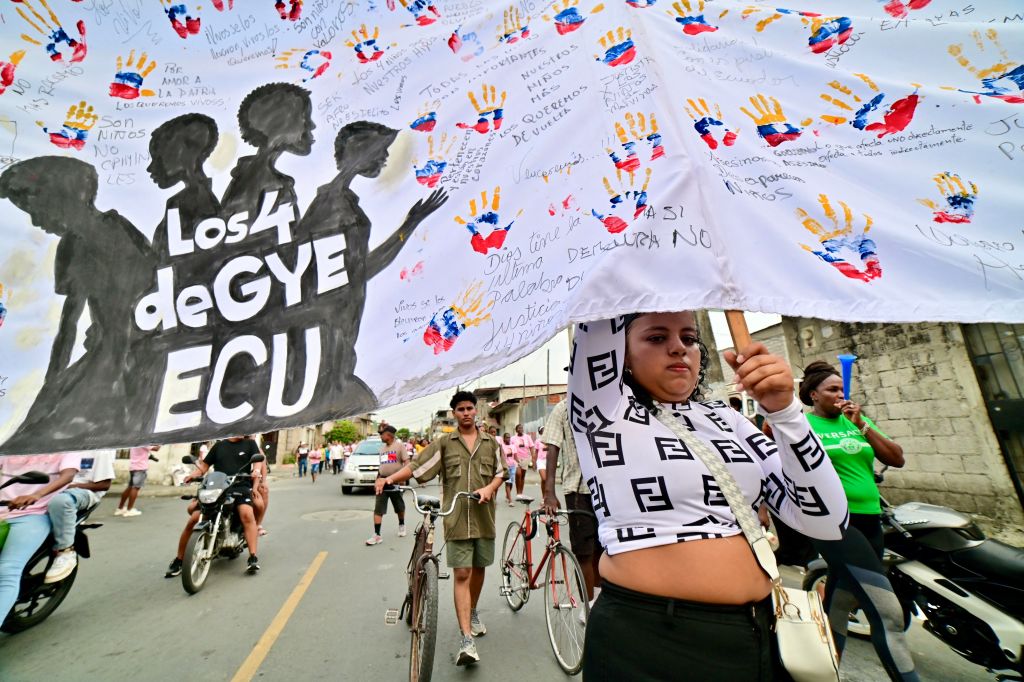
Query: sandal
262	530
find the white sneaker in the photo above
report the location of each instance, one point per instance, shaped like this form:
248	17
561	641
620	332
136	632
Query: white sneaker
374	540
62	566
132	512
476	626
119	512
467	652
402	532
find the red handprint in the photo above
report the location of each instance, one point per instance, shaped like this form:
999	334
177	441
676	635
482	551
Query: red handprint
50	29
7	69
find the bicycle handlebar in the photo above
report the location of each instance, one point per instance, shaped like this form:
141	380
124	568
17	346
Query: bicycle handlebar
427	510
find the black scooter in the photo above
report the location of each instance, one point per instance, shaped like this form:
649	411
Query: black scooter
36	598
967	587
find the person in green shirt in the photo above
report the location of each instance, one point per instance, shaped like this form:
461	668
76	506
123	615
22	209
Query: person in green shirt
856	573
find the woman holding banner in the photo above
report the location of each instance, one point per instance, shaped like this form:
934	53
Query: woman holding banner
682	588
856	574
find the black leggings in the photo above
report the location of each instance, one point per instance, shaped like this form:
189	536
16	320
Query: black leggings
856	576
643	638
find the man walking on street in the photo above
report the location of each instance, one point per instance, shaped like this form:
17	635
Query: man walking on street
302	458
582	527
468	460
393	456
138	469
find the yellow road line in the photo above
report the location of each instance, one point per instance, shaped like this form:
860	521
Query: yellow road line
259	652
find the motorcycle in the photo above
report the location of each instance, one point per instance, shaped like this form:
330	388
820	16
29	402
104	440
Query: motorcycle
219	532
968	589
36	598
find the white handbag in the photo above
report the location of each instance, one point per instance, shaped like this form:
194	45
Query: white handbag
802	629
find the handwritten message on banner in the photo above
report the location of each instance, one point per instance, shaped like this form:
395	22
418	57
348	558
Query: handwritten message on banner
248	215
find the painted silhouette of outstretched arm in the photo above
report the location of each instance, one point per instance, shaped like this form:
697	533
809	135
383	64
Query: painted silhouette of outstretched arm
64	343
382	256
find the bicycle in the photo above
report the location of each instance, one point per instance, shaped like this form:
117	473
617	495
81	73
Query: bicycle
565	599
419	608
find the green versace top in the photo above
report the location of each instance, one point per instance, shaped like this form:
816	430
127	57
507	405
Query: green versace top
853	459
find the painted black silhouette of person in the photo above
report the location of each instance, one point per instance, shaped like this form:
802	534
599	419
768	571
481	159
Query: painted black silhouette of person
178	149
102	262
360	148
276	118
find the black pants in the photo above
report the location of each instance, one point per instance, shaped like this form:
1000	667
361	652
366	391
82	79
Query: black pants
856	576
644	638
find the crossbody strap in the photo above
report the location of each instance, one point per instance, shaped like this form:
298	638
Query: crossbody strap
749	524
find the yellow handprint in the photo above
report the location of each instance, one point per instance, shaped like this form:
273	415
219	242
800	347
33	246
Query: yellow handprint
49	29
513	28
840	240
617	196
1003	80
486	217
364	43
958	197
897	115
826	32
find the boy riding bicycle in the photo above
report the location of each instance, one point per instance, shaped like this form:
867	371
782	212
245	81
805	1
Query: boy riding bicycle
468	460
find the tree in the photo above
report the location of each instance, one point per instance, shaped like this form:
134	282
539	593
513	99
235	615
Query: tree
402	434
343	432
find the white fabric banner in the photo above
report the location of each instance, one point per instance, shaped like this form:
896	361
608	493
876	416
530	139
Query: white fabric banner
254	215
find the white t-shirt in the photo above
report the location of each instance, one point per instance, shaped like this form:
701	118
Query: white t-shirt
96	466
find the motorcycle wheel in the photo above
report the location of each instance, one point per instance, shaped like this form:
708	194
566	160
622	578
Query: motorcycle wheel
196	565
858	624
37	599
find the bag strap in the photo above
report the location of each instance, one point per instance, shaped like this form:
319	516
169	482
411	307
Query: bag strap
751	527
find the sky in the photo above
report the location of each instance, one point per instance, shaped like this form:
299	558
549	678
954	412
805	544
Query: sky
415	414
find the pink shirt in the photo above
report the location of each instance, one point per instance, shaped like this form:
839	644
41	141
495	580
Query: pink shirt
12	465
138	459
522	445
315	455
509	452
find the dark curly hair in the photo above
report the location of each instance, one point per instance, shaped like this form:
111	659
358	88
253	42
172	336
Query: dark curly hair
270	108
462	397
814	374
644	397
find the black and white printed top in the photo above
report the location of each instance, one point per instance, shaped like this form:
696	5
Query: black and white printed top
648	489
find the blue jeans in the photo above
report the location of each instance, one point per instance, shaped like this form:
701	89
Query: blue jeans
63	510
27	533
303	465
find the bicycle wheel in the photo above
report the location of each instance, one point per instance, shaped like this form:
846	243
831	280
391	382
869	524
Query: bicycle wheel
424	630
515	574
566	609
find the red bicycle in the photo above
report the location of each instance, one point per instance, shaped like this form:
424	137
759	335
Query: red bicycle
566	608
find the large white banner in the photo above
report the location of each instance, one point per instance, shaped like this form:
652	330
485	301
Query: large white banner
250	215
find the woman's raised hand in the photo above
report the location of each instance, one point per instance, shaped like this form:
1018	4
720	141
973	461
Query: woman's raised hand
766	377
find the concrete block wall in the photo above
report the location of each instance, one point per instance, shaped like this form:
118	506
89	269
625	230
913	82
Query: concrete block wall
917	383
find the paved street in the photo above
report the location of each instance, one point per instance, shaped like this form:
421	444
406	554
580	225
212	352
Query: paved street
124	622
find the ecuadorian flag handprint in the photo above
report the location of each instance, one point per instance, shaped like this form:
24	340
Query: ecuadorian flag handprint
79	121
1002	80
490	110
900	8
513	28
423	12
129	77
637	128
313	63
690	15
470	309
7	69
484	216
49	28
567	16
618	47
826	32
771	122
957	199
426	118
364	44
183	21
429	174
707	125
623	196
861	112
851	253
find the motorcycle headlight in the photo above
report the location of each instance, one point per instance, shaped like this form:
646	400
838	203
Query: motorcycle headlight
210	495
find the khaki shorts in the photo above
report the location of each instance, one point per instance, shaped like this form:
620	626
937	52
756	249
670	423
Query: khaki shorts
476	553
